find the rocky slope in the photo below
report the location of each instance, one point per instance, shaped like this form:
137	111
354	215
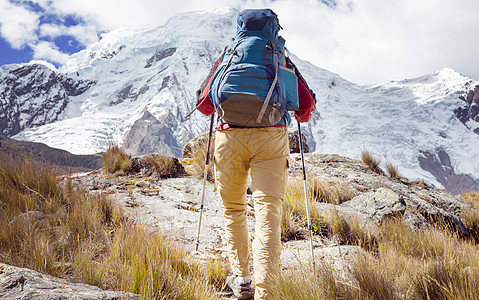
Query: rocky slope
172	204
469	113
63	161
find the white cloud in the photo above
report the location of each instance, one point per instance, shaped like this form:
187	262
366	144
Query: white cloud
84	34
17	25
384	40
48	51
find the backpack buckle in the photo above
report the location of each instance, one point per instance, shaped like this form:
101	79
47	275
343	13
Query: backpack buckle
275	51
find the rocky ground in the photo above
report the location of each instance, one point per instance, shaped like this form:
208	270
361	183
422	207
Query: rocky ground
172	206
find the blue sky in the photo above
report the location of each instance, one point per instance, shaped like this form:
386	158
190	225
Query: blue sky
365	41
65	43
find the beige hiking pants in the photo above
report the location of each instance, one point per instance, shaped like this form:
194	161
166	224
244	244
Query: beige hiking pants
265	151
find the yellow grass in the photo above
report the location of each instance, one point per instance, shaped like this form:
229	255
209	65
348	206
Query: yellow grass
471	198
392	170
195	163
115	159
406	264
470	218
371	162
162	164
294	205
68	232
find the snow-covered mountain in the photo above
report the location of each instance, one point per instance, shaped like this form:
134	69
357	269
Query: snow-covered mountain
135	86
32	95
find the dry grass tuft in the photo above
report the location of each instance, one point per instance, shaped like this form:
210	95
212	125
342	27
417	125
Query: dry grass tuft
294	222
44	224
319	191
163	165
471	217
371	162
392	170
373	281
307	283
195	163
471	198
217	271
150	265
115	159
294	209
420	183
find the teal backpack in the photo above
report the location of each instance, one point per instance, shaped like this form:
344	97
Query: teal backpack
254	87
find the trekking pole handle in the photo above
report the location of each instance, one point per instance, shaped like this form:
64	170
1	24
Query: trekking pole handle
209	139
301	149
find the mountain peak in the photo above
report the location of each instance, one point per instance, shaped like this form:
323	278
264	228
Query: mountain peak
448	73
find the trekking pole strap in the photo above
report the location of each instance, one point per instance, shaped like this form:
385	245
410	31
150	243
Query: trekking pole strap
301	149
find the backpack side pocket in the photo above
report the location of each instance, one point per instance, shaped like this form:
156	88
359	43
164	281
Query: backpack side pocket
288	83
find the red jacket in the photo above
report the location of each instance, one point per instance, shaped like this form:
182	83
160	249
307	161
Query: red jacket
307	98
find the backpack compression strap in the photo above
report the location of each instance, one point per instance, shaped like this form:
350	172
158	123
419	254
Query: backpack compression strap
273	84
231	52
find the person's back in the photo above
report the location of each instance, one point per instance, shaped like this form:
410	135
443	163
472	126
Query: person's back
254	140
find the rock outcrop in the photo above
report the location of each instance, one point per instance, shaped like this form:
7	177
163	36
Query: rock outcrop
379	197
378	205
33	95
439	165
19	283
173	204
469	113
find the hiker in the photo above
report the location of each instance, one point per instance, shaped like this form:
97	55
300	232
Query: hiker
252	73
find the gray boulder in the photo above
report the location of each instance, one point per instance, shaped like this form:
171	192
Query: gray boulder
378	204
19	283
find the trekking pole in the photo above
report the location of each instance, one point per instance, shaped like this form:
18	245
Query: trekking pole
306	193
207	161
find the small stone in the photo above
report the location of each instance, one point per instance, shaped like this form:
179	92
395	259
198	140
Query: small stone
142	184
